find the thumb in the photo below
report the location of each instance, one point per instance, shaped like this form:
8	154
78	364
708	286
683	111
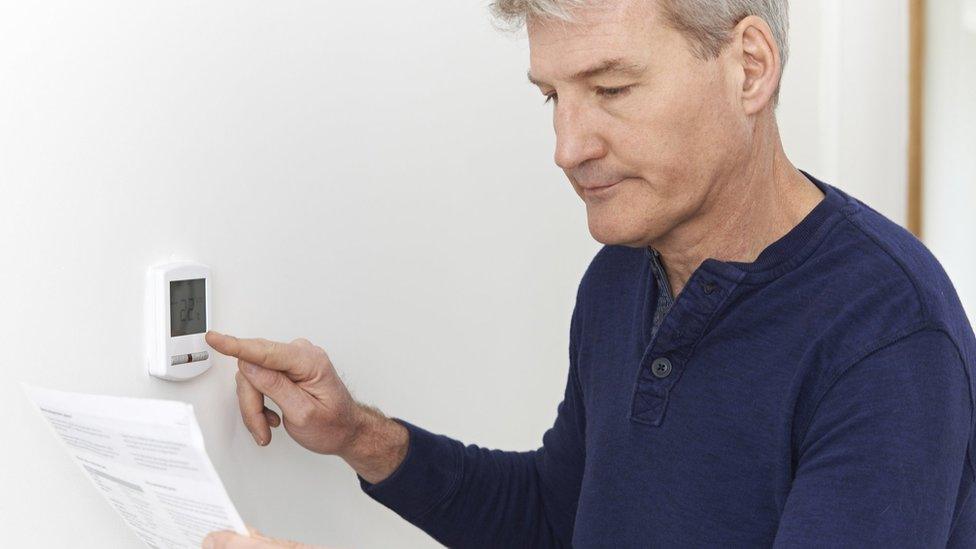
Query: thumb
232	540
276	386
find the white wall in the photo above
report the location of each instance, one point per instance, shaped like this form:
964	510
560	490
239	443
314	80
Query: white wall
844	109
375	176
950	143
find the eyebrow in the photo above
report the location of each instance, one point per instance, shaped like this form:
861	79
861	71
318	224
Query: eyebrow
608	66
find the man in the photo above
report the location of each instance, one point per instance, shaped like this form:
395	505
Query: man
756	358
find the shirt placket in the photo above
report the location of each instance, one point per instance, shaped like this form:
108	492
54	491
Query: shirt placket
671	347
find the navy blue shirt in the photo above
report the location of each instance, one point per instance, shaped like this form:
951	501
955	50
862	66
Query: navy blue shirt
821	395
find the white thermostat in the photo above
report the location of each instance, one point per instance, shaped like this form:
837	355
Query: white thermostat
177	316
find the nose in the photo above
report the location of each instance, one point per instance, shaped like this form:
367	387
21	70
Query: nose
576	140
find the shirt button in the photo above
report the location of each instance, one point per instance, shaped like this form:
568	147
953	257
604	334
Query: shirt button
661	367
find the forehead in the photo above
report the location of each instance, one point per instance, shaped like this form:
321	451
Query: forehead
626	30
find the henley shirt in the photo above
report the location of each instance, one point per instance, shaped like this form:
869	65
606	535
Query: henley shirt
821	395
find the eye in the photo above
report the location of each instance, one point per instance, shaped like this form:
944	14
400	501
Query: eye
613	92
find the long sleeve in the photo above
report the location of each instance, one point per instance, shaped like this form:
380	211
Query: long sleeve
467	496
882	460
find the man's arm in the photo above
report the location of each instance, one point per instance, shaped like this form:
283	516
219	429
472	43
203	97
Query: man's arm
881	462
461	495
467	496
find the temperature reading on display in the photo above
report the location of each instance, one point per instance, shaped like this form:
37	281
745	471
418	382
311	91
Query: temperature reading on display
187	307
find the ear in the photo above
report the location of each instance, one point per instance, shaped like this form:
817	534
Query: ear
756	50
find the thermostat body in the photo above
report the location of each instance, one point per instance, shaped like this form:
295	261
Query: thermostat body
177	316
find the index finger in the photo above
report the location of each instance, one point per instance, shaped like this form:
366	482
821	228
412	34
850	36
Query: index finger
273	355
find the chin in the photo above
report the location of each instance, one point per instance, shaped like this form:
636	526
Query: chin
605	229
621	218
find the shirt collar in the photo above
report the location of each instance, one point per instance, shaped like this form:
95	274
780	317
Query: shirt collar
793	247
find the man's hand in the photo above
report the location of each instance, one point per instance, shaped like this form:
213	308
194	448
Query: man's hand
317	409
231	540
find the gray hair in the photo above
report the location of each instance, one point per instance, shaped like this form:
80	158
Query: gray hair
706	24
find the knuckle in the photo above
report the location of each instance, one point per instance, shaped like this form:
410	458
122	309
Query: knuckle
320	353
233	346
301	342
270	351
274	381
246	418
247	411
304	416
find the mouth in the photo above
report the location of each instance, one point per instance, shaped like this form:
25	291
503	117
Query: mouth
599	191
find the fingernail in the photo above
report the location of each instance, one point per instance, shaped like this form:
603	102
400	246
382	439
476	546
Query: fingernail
258	439
249	368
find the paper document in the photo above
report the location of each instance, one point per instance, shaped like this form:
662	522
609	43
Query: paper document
147	458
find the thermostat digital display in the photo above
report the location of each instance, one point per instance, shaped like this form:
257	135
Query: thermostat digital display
187	307
177	316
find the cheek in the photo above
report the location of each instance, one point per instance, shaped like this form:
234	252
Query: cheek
680	137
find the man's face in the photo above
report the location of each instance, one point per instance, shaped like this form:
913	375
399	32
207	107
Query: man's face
662	127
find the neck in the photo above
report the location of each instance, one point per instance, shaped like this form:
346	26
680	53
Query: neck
742	215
